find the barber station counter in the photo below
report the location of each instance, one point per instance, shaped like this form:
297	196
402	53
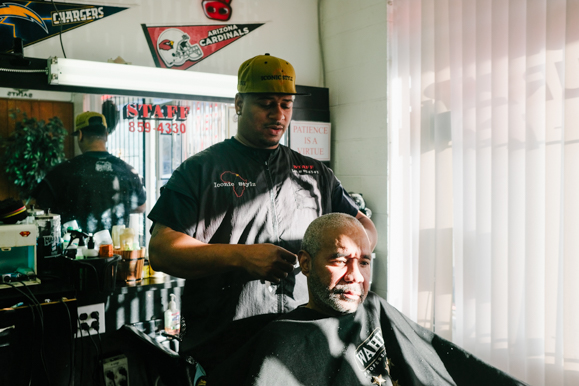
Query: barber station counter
45	332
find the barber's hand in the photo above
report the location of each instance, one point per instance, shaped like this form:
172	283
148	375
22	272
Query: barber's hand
268	262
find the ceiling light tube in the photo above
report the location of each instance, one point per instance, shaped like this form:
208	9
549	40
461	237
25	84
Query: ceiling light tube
84	73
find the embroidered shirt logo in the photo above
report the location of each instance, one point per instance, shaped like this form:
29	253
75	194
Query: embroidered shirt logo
103	166
371	352
304	169
235	181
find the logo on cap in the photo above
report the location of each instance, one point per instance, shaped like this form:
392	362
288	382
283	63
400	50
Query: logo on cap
266	74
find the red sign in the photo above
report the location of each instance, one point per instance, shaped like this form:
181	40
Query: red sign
184	46
149	111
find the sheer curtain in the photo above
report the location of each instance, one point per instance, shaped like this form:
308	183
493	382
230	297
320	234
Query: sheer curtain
484	178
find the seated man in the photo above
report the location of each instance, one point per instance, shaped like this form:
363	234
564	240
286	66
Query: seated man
346	335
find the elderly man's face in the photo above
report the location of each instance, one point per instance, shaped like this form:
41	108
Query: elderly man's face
339	274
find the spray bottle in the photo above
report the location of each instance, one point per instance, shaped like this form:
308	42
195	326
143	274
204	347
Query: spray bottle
172	318
91	251
76	244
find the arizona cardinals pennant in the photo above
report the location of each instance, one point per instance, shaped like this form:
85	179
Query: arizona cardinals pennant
34	21
184	46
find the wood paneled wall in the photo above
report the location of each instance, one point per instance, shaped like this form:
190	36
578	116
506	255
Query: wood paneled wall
41	110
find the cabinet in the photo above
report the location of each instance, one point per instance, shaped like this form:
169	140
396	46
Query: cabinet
37	341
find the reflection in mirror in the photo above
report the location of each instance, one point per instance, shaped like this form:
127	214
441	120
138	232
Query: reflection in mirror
153	135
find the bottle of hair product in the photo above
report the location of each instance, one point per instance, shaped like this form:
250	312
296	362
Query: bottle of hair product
172	318
127	239
116	236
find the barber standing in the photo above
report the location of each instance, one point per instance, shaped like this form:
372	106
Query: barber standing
231	218
96	189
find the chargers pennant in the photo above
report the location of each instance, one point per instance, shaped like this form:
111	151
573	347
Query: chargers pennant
34	21
184	46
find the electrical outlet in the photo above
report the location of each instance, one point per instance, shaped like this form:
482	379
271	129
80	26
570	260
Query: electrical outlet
116	370
86	314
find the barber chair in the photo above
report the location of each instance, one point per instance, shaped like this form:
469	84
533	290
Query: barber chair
169	368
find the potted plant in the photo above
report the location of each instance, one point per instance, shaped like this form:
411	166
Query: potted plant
31	150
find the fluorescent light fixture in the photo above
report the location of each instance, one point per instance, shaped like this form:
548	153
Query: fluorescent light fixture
84	73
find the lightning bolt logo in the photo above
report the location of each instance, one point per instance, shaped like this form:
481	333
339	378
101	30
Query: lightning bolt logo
21	12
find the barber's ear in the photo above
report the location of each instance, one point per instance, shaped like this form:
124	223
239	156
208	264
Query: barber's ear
305	262
238	103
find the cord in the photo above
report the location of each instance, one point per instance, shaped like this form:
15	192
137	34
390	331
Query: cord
35	305
41	314
322	59
97	352
95	325
60	33
95	272
83	326
36	302
71	376
81	349
100	362
112	263
20	70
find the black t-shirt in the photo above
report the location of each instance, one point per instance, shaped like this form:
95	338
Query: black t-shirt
233	194
96	189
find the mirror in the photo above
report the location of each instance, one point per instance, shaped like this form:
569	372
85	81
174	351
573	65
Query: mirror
152	131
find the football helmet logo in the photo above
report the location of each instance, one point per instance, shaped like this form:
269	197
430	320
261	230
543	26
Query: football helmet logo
175	49
166	45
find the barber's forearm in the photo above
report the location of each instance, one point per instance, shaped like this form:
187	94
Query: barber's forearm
183	256
180	255
370	228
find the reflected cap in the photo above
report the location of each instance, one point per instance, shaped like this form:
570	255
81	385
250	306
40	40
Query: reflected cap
266	74
89	120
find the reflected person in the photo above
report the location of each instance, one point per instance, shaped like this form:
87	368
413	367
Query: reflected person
96	189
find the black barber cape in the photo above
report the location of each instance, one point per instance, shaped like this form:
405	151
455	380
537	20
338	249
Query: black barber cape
376	345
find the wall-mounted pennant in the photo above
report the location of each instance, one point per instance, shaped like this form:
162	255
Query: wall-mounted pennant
34	21
182	47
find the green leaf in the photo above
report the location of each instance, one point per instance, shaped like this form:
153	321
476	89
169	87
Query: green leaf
33	147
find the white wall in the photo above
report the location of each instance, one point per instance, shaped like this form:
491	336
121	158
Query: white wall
290	32
353	37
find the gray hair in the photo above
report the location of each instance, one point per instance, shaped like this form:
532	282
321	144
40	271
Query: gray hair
312	241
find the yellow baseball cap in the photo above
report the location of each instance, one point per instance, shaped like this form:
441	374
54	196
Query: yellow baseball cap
89	119
266	74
